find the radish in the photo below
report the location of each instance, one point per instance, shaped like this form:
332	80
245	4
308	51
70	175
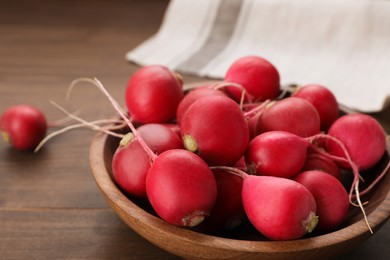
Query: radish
181	188
175	128
276	153
130	166
331	198
194	95
279	208
315	161
175	178
261	157
228	212
323	100
258	76
214	127
160	138
363	137
291	114
153	94
130	163
23	126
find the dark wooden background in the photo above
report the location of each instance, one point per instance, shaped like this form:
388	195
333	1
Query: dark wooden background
50	206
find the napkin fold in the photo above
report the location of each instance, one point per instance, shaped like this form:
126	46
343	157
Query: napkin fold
341	44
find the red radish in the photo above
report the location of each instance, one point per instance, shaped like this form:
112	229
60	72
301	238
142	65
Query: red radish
241	163
130	166
323	100
194	95
331	198
175	128
228	212
291	114
175	178
153	94
279	208
130	163
363	137
277	153
315	161
253	114
215	128
23	126
257	75
252	125
181	187
160	138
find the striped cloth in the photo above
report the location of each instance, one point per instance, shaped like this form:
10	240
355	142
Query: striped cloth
342	44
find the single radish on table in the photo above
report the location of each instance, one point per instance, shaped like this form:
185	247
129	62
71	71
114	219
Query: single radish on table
331	198
256	75
215	128
291	114
23	126
323	100
181	188
153	94
130	163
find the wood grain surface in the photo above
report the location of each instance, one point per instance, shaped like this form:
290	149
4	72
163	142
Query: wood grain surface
50	206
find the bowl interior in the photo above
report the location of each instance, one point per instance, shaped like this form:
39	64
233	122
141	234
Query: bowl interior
246	241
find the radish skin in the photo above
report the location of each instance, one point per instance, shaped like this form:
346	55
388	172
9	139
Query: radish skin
153	94
363	137
181	188
257	75
23	126
215	128
276	153
331	198
323	100
279	208
292	114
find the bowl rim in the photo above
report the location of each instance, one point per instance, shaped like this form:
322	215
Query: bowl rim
377	217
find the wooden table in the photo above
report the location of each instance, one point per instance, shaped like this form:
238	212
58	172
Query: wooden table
50	206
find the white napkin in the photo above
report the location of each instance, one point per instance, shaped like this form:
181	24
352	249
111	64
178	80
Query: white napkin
342	44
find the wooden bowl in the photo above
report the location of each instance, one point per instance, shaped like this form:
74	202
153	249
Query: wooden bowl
247	243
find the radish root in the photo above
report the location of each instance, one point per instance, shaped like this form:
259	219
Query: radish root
120	111
355	171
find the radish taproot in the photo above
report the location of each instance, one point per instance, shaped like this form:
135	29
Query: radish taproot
153	94
130	163
181	188
331	198
276	153
23	126
214	128
291	114
257	75
323	100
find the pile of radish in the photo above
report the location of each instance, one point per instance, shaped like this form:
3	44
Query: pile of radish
242	149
